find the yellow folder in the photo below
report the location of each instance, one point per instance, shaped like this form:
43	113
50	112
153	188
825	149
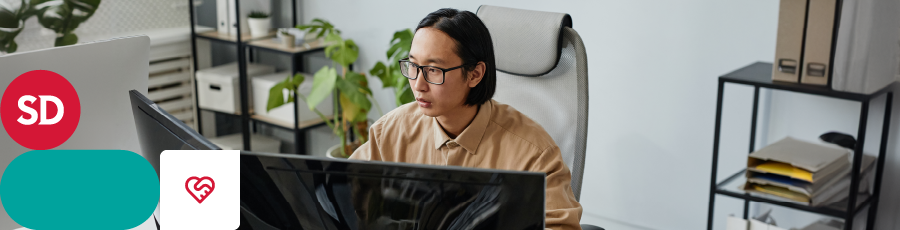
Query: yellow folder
777	191
785	170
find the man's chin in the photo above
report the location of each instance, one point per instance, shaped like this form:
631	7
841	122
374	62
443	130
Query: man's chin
427	112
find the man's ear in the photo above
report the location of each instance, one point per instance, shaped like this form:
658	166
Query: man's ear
477	74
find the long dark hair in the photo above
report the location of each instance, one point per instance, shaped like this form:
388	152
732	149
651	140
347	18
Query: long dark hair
473	45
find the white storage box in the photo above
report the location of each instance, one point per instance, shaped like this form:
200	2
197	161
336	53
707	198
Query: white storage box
284	114
218	90
258	143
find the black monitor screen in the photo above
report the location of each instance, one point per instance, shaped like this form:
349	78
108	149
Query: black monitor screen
348	194
159	131
286	191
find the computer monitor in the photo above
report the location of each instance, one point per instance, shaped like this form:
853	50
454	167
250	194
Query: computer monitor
158	130
348	194
286	191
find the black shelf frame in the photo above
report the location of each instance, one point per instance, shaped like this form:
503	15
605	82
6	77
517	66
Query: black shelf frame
759	75
243	47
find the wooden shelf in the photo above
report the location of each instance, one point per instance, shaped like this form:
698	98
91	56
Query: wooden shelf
273	44
245	37
277	122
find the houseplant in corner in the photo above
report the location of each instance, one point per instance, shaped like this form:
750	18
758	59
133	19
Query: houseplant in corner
354	95
390	73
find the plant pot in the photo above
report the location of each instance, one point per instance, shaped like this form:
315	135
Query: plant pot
334	152
259	26
287	41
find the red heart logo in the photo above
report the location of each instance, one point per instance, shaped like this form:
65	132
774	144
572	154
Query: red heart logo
200	187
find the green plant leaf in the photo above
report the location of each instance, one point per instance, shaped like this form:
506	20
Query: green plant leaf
276	96
258	14
26	10
344	52
354	92
64	16
402	92
297	81
398	78
323	85
360	81
12	21
389	74
400	45
323	27
9	18
352	111
382	72
67	39
405	95
82	11
354	101
10	47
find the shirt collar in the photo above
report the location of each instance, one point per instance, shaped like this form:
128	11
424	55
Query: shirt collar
471	137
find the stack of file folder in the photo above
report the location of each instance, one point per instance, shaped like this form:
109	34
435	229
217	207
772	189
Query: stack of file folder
804	172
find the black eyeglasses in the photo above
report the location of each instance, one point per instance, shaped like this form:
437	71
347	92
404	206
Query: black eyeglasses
411	70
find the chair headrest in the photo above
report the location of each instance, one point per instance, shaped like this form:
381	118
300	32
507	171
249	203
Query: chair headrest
526	42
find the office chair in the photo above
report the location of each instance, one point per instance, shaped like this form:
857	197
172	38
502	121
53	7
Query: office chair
542	72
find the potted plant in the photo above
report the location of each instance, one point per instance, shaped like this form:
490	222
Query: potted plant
259	23
61	16
350	123
390	73
287	39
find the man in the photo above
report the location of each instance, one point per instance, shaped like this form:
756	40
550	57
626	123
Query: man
454	121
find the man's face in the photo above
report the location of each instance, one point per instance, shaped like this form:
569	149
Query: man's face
433	47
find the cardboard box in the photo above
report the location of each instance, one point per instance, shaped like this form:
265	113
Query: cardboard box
217	87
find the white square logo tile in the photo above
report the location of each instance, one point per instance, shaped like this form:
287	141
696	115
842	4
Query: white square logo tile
200	189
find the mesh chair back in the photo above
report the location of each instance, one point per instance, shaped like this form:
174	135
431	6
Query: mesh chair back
556	95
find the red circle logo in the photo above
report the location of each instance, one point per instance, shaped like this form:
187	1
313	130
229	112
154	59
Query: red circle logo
40	110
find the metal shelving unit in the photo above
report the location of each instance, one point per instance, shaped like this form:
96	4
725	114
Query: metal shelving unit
248	43
759	75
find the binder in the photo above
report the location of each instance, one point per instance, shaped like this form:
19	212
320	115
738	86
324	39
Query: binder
818	42
864	61
222	16
789	45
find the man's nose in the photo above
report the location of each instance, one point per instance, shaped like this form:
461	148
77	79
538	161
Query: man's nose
420	84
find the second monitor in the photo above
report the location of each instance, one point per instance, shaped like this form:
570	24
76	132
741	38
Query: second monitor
287	191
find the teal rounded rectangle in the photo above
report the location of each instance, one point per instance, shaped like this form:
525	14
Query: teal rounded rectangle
79	189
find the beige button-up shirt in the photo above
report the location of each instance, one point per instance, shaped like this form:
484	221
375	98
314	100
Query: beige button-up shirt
499	138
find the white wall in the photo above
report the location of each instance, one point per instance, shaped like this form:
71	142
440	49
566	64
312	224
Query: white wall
653	67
